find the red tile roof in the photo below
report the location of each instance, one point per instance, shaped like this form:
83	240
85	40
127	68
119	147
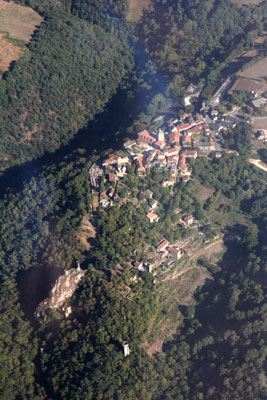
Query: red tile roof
173	249
152	216
186	139
112	177
162	245
146	137
111	159
183	127
190	153
188	218
174	137
160	144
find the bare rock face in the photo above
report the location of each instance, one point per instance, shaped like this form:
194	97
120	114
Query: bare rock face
63	289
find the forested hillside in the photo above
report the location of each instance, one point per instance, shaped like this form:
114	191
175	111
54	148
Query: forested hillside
72	70
193	40
83	50
224	333
83	55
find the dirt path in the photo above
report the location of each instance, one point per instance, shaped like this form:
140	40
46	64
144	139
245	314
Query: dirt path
204	249
194	256
258	163
180	273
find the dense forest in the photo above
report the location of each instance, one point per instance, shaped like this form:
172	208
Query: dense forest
87	67
71	71
195	40
224	333
84	51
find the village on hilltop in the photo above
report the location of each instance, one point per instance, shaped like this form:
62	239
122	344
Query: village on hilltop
169	149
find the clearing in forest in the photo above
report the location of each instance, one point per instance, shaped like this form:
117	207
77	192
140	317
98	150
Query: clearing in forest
136	8
87	231
173	293
17	24
8	52
203	193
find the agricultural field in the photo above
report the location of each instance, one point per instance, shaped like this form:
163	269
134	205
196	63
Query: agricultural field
259	123
136	8
249	84
245	2
257	71
17	24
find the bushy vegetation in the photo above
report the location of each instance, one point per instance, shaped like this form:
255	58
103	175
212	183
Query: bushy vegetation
238	138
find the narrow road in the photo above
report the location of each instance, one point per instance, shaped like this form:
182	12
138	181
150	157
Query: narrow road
193	257
179	273
258	163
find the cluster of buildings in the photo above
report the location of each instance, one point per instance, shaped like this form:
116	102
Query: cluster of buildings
173	147
165	248
169	149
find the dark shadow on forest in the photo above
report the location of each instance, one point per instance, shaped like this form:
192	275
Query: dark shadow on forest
106	131
34	285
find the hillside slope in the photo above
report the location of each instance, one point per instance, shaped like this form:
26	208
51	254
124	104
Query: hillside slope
73	69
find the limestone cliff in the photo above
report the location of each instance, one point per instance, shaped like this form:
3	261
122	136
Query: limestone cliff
63	289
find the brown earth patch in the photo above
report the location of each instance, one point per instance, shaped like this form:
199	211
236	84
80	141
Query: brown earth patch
209	250
8	53
249	84
95	203
178	289
87	231
259	123
257	71
136	8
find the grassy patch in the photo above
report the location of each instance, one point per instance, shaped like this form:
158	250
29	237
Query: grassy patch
202	192
136	8
219	255
17	24
18	21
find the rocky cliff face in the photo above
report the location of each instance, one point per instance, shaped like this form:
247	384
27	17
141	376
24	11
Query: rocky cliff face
63	289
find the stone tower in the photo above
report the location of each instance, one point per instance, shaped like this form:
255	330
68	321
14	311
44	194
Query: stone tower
161	135
126	349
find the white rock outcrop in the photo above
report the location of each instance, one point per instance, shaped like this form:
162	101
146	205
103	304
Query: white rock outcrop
62	290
